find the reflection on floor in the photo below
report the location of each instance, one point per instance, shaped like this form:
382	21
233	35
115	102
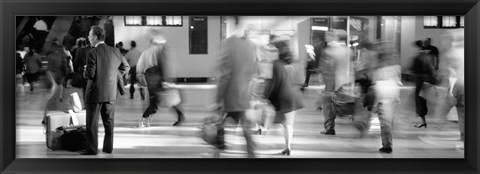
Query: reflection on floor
162	140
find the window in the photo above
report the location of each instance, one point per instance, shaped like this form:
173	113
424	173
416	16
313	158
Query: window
356	24
153	21
198	38
449	21
173	20
430	21
443	21
133	20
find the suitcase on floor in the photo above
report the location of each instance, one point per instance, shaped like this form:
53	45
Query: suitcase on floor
55	120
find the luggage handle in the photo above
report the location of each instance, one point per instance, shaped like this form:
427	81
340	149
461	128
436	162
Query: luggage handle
74	118
75	124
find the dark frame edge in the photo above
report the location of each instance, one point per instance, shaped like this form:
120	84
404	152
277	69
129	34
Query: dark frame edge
9	164
472	53
7	150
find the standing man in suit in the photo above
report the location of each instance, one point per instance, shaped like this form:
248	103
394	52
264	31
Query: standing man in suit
237	66
104	66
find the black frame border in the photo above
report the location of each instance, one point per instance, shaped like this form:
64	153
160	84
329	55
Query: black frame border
9	9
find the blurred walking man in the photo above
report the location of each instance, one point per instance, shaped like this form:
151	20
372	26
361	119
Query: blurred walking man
237	66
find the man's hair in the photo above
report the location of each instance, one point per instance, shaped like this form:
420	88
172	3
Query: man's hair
99	32
133	44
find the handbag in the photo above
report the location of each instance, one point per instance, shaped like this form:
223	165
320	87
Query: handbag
210	127
169	98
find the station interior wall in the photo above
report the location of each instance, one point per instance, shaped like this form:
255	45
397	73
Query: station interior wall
203	65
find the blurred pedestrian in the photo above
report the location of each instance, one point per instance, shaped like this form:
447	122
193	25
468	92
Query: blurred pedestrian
70	69
365	65
236	68
337	72
423	68
152	72
132	58
453	60
266	56
19	65
313	60
386	79
282	94
79	62
33	65
41	32
56	73
119	45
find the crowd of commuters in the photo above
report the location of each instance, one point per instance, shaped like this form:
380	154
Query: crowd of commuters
100	71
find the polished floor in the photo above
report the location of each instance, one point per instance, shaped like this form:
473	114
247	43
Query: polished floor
163	140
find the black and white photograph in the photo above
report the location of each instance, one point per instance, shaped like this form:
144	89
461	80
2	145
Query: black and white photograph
145	87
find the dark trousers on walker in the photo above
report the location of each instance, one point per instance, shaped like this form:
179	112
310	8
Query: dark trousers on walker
420	102
133	80
328	107
106	110
238	117
154	84
308	73
459	94
458	100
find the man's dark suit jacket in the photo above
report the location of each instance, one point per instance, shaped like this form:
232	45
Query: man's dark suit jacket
105	68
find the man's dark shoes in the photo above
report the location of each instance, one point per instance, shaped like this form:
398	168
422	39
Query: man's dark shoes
385	150
105	151
87	152
329	132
